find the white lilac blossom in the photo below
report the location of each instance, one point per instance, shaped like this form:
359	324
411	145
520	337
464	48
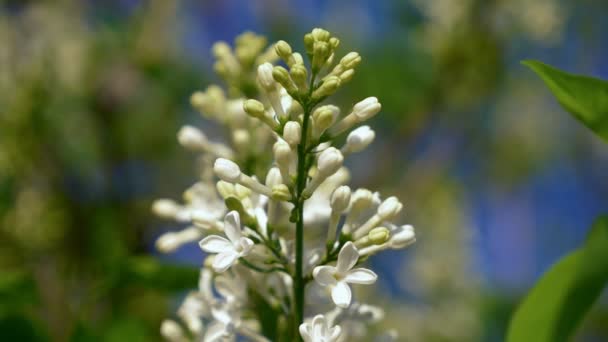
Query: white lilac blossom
337	278
230	249
318	330
278	179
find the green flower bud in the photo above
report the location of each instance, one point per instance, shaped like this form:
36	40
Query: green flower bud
299	74
241	192
351	60
280	192
309	42
347	75
328	87
379	235
334	42
320	34
281	75
254	108
283	49
225	189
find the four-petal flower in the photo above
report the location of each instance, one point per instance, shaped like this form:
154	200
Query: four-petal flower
228	250
337	277
319	331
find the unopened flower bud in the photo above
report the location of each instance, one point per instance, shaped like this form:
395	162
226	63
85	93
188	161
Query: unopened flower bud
280	192
165	208
171	331
329	162
334	42
389	208
323	118
265	77
292	133
220	49
281	75
403	237
299	75
273	177
351	60
366	108
241	139
225	189
340	199
379	235
328	87
283	50
241	192
309	42
282	153
227	170
346	76
192	138
254	108
198	99
320	34
358	139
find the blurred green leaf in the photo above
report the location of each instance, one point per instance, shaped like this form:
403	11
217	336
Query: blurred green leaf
584	97
152	273
20	328
559	301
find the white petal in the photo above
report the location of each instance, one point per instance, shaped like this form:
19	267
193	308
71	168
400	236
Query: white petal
215	244
324	275
334	333
246	244
223	286
232	226
215	332
341	294
319	328
305	332
360	276
224	260
347	258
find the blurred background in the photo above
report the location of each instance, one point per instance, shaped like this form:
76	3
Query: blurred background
498	180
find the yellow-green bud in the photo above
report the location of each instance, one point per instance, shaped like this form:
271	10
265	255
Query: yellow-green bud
320	34
241	192
283	49
379	235
309	42
320	54
280	192
220	68
351	60
347	75
220	49
334	42
299	74
281	75
297	58
198	100
329	86
254	108
225	189
324	120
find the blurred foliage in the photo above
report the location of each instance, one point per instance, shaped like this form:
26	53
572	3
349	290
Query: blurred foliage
559	301
88	110
92	93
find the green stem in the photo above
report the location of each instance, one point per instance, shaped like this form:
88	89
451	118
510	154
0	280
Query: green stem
302	173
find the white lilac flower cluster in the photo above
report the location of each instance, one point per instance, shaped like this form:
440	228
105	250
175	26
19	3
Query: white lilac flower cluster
280	218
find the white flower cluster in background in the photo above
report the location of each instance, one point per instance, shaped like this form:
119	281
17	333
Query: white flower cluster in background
272	210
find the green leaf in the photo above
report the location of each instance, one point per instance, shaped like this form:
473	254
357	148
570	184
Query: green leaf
584	97
559	301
